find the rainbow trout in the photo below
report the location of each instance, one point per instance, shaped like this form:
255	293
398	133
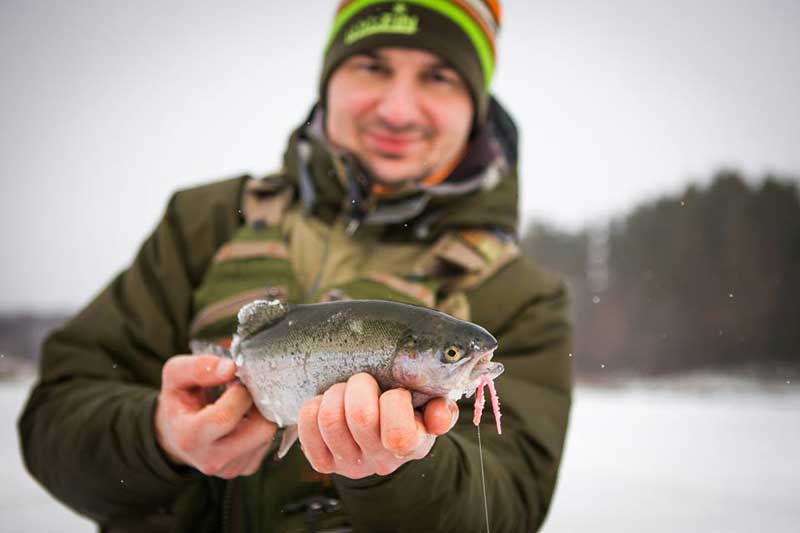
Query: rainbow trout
287	354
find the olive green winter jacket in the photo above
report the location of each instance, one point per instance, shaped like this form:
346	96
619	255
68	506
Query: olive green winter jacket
87	430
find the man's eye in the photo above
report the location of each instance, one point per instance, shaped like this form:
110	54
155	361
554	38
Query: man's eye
442	77
375	68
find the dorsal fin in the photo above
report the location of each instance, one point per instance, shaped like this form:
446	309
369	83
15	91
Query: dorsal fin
258	315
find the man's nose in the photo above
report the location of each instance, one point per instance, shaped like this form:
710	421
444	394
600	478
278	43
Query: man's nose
399	105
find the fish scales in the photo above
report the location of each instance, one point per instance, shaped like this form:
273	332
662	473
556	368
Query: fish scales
307	352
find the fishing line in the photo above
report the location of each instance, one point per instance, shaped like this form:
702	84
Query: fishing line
483	479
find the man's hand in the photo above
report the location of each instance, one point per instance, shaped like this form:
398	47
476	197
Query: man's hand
356	431
227	438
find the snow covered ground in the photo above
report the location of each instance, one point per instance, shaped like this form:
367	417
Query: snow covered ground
24	505
644	457
659	460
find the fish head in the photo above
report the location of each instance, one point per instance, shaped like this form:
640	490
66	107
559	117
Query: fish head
444	356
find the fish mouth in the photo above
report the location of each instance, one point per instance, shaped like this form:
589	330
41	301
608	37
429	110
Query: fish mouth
484	366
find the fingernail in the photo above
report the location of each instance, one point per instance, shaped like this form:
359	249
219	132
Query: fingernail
224	367
454	412
402	456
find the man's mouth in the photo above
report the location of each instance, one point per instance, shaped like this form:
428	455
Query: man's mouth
391	145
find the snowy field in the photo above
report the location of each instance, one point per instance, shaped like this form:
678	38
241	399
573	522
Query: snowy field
640	458
658	461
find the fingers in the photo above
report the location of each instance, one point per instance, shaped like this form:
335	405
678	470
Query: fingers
355	431
226	438
253	432
315	449
239	452
362	412
232	469
425	440
221	417
190	371
256	458
333	426
400	429
251	441
440	415
243	465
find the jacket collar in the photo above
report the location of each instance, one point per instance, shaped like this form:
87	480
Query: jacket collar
481	191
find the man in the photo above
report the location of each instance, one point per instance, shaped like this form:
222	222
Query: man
400	185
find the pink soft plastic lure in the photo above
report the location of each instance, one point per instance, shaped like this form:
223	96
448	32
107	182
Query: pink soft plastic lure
480	401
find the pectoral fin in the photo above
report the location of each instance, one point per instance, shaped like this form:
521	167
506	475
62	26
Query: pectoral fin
289	438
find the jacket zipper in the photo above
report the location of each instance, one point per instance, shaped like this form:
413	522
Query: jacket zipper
322	263
227	503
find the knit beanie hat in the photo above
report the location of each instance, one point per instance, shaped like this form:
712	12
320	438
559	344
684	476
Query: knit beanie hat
461	32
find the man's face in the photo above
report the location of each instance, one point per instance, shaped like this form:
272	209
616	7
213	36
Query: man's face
402	112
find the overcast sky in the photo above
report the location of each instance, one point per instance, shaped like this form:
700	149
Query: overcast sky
107	106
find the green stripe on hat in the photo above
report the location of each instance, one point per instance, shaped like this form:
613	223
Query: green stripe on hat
476	35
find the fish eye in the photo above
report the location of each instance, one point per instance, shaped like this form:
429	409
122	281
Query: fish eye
452	353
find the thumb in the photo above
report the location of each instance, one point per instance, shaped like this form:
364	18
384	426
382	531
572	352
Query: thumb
440	416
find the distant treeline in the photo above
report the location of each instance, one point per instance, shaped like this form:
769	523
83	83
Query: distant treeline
708	279
22	334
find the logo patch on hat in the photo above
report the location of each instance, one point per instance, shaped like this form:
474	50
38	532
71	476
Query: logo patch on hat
398	20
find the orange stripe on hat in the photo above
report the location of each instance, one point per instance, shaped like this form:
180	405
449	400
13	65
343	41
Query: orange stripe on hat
343	5
477	18
494	5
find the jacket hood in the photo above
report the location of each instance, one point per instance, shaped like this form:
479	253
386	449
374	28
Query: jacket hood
481	192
